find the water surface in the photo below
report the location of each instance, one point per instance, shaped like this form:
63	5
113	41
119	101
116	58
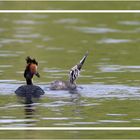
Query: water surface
108	91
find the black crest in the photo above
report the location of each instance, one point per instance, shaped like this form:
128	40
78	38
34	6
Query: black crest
30	60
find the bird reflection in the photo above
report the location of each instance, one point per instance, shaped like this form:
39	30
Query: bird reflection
76	100
29	111
30	117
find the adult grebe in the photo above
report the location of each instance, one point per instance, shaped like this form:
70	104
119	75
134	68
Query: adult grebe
30	90
73	75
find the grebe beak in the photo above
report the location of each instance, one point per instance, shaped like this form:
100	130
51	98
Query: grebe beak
38	75
79	66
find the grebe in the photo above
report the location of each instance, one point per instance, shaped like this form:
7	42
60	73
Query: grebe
73	75
28	91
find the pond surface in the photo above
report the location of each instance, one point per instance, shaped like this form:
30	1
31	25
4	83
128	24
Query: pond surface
108	91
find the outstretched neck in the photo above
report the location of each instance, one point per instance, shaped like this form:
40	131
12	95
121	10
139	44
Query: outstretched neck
29	82
71	81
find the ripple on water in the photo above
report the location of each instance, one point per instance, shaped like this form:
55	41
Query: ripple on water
115	41
9	41
16	120
23	30
110	91
119	68
27	35
69	21
27	22
89	91
2	30
19	125
56	104
54	49
96	30
136	119
6	66
133	23
84	123
54	70
76	123
63	124
113	121
72	51
7	53
116	114
38	16
7	117
47	38
56	118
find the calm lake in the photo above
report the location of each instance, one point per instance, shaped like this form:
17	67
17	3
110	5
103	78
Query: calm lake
108	87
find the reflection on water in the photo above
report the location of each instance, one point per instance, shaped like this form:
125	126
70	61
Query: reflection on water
72	108
89	105
29	114
12	121
91	91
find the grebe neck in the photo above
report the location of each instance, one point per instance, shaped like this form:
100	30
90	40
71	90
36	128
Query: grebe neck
29	82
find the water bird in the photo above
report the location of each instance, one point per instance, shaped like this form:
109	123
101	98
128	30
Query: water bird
29	90
73	75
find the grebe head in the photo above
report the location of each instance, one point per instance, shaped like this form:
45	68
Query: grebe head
30	70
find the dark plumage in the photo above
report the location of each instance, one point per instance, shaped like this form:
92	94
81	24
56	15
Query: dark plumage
29	90
74	73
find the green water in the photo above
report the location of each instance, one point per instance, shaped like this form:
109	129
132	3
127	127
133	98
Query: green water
108	93
69	5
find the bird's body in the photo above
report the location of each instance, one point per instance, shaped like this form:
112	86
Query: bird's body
62	85
69	84
31	90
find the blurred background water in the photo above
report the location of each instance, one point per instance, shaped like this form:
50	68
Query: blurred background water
108	88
